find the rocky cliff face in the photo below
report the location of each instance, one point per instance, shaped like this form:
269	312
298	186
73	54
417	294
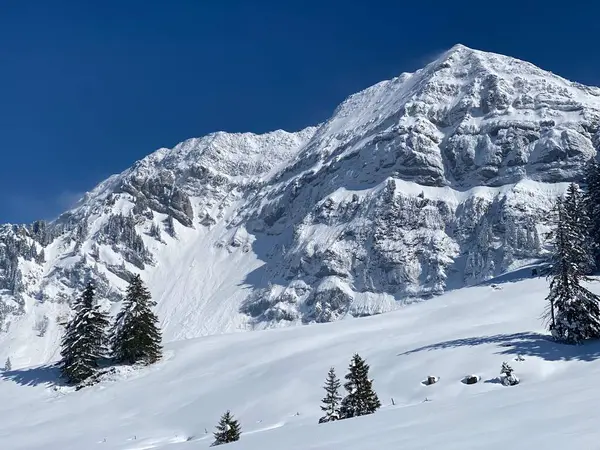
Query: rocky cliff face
430	181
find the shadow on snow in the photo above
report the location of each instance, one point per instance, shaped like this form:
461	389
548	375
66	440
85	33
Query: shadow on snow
34	376
526	344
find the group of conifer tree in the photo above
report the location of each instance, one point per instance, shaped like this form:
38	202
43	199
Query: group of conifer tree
360	400
360	397
573	311
89	337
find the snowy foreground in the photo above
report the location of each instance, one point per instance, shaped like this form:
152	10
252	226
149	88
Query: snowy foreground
271	380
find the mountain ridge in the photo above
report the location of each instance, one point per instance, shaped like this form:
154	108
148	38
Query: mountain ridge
430	181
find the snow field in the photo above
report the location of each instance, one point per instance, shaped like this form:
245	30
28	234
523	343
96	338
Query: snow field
272	382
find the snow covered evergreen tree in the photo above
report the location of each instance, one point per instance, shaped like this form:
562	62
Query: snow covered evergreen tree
576	215
573	311
170	226
228	430
592	203
8	365
155	231
506	369
509	379
361	398
331	401
84	342
136	336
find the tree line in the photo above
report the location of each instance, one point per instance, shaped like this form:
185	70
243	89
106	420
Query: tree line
89	338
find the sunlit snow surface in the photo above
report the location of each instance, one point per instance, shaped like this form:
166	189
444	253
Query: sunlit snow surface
271	381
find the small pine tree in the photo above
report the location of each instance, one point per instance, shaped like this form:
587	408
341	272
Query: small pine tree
361	398
41	257
573	311
84	342
509	379
155	231
136	336
506	369
228	430
331	401
8	365
170	226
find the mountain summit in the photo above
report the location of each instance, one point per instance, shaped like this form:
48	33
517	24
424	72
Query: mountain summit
430	181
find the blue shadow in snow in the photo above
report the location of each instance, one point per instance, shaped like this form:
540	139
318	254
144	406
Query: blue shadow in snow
35	376
526	344
536	270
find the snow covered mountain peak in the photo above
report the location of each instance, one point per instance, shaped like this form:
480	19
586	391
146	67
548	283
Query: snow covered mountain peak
466	119
430	181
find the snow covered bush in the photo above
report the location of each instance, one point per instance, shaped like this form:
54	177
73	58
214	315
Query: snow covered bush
471	379
508	377
430	380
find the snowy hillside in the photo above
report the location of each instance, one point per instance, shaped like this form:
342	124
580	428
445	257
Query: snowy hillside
271	381
431	181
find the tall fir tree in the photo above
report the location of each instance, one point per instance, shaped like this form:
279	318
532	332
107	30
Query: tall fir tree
573	311
592	203
84	342
576	215
331	401
228	430
136	336
361	398
8	365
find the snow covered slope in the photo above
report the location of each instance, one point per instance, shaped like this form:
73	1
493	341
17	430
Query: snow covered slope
271	380
431	181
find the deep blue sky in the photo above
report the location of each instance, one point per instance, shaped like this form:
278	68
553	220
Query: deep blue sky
88	87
